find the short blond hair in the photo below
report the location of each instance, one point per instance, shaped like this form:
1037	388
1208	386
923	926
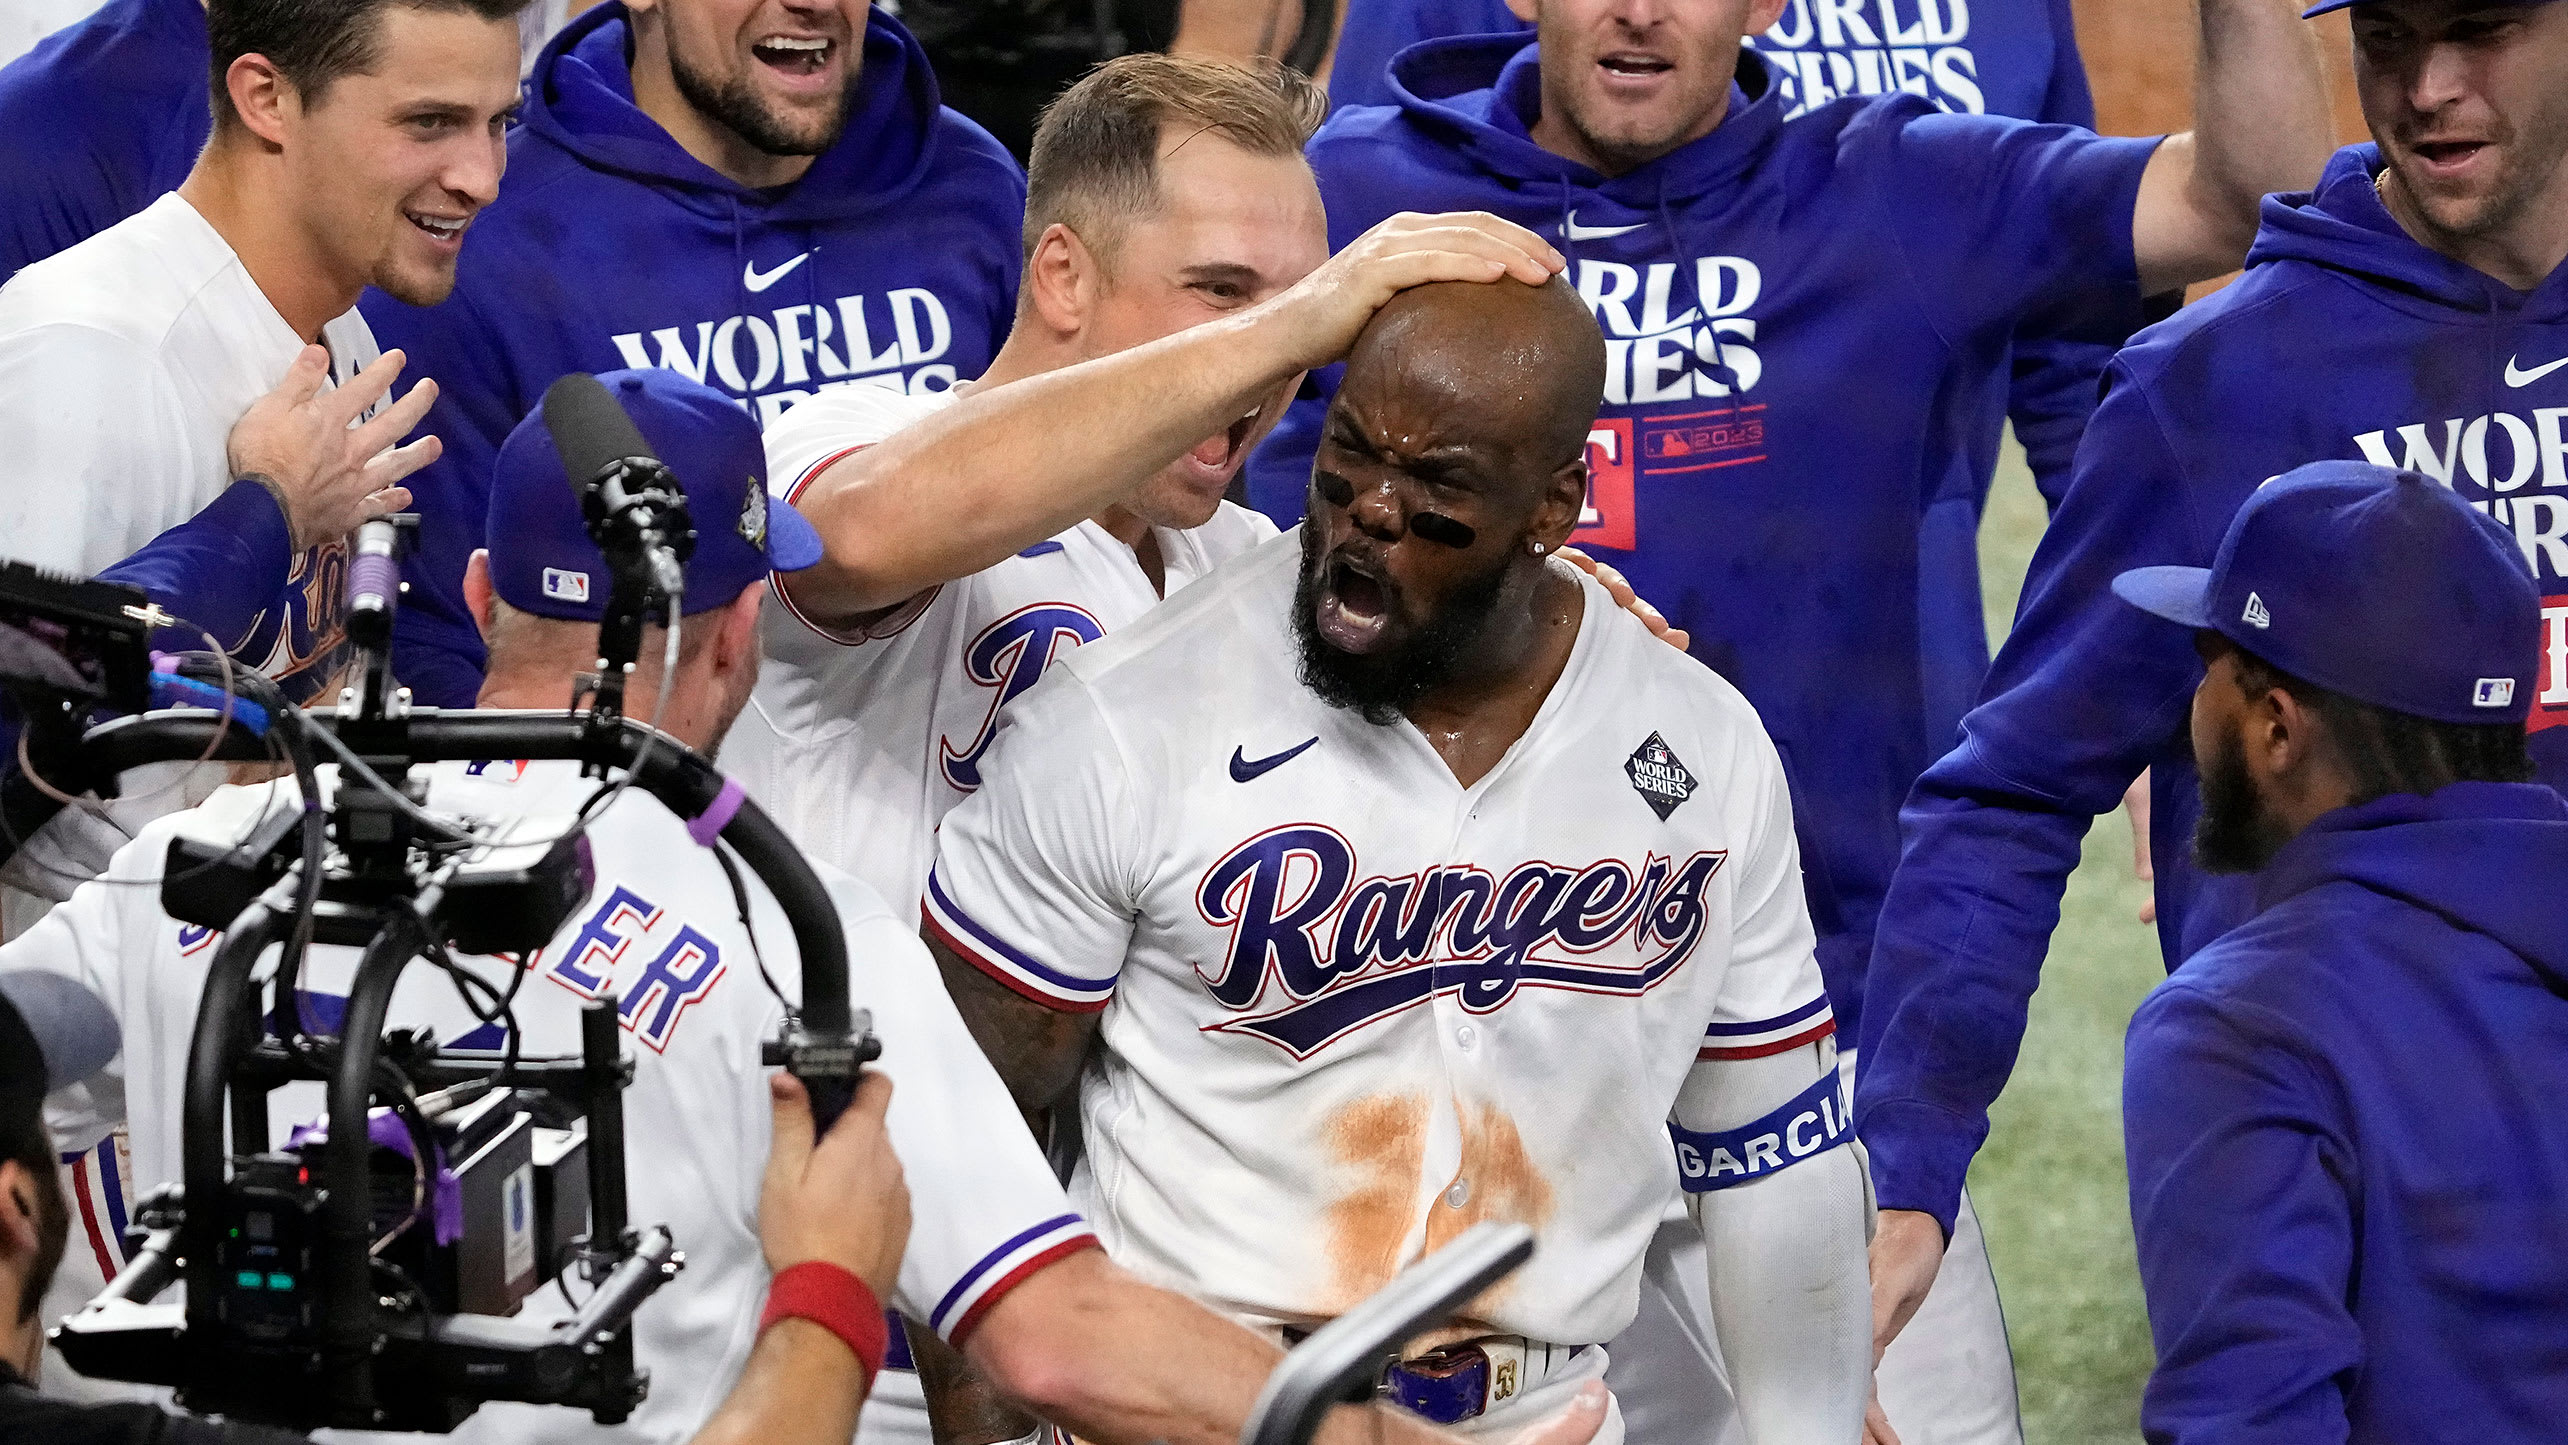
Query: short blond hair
1095	161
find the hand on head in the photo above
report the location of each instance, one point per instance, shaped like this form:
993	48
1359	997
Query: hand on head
840	1199
1328	308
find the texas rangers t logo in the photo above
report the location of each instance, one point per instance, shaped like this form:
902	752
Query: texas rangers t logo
1010	656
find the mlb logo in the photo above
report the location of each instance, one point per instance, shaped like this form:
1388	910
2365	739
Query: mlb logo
2493	692
566	586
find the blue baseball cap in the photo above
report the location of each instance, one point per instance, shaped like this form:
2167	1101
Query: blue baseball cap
2324	6
2377	584
541	558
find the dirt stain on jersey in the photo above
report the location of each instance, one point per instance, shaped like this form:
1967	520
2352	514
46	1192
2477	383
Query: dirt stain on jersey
1380	1143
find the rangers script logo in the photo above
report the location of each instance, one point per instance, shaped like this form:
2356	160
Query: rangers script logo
1347	953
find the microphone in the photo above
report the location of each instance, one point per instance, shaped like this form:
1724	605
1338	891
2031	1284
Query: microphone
636	511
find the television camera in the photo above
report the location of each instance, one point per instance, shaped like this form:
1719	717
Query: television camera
364	1273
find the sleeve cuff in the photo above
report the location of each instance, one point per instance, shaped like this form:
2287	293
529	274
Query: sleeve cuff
249	511
1807	1024
992	955
1011	1264
1920	1155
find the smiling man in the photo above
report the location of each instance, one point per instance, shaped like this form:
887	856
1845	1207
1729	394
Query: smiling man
2412	311
1419	918
764	195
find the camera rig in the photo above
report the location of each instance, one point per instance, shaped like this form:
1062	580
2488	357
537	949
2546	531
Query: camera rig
363	1274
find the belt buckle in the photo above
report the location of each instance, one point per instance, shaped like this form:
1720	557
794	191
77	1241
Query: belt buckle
1447	1386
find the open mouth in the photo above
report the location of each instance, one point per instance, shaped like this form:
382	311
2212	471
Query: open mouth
795	54
1221	452
2448	154
442	228
1354	605
1633	65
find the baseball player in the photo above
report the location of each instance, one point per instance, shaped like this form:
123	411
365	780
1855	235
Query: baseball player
2348	1168
1811	323
998	1264
2411	311
1421	917
977	537
766	197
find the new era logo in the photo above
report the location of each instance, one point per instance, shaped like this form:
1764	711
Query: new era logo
2493	692
2256	615
565	586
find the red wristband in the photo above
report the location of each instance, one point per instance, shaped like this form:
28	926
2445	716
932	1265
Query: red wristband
838	1302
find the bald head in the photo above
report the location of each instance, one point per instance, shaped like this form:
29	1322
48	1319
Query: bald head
1516	369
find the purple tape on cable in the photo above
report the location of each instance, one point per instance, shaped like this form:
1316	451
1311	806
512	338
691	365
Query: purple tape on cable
708	825
373	574
446	1194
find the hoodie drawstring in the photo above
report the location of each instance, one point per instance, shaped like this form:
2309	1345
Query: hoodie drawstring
1721	371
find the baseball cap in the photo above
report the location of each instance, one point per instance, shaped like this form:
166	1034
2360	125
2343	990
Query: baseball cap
2324	6
541	558
53	1031
2374	583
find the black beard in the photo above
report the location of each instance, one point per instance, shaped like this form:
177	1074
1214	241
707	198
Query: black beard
735	105
2234	833
1380	686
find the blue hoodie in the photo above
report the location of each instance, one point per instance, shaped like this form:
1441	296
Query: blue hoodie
2345	338
893	261
102	117
1984	57
1993	57
1807	327
2349	1163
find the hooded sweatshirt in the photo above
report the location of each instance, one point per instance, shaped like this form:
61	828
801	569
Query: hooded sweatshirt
2345	338
103	116
2349	1167
892	262
1807	326
1985	57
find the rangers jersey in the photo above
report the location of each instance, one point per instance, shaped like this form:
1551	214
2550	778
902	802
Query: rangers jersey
661	933
1352	1007
124	363
859	742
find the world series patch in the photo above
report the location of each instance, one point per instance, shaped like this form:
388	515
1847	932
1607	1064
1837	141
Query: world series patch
1658	777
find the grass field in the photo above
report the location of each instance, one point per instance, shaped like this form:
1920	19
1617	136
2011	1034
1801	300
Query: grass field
2049	1186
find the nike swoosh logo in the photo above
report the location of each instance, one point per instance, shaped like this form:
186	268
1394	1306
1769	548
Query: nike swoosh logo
756	281
2515	377
1244	771
1576	232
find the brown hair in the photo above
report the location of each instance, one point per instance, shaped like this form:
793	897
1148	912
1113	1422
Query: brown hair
1096	153
313	42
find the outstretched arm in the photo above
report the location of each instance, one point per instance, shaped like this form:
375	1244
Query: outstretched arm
2261	125
1100	1353
1010	465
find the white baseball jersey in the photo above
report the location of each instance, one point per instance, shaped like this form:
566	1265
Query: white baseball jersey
662	933
124	363
859	742
1352	1007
